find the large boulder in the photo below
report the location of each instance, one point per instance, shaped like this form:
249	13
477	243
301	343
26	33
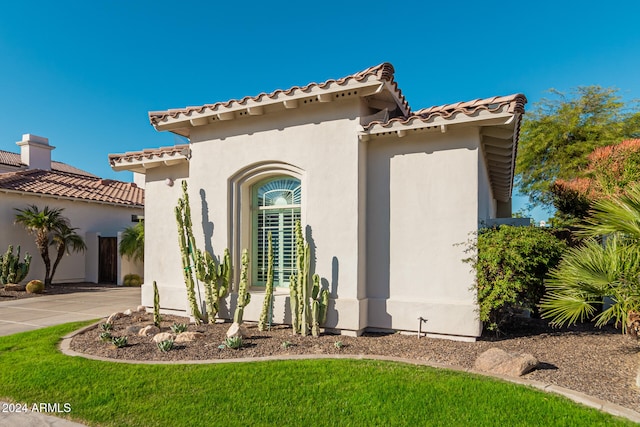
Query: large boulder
237	330
148	331
498	361
188	336
163	336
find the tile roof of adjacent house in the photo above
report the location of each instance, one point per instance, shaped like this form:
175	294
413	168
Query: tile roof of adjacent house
72	186
13	159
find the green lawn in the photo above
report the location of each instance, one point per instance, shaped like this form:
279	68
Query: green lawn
295	393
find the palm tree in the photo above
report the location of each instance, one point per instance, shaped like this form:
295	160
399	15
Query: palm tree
42	224
132	242
65	238
606	266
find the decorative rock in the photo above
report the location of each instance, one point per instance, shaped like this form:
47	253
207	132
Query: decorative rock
163	336
134	329
114	316
189	336
127	312
237	330
148	330
14	287
141	309
498	361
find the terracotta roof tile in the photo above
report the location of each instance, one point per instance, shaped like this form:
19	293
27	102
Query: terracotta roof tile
64	184
13	159
383	72
514	103
158	153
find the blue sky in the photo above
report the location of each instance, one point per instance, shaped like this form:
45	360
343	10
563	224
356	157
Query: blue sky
86	73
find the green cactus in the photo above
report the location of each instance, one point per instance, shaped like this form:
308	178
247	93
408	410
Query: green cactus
224	275
11	269
215	276
267	306
156	305
308	312
293	303
319	304
187	250
243	296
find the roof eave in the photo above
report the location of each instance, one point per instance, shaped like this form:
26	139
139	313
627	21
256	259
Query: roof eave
184	121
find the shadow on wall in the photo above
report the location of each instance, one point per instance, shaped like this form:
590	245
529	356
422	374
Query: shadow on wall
207	225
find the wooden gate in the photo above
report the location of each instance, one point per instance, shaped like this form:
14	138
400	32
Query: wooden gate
107	259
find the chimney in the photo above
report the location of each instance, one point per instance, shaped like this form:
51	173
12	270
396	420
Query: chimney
35	151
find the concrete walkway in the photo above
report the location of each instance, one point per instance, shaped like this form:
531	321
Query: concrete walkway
27	314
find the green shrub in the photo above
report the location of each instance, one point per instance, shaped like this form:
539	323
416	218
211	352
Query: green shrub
132	280
511	264
35	287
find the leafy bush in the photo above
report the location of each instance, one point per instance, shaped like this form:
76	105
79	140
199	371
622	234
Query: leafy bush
35	287
511	264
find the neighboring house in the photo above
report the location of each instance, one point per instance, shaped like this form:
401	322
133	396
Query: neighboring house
98	208
387	195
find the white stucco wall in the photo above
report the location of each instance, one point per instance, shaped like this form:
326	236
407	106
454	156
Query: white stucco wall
422	203
91	220
320	145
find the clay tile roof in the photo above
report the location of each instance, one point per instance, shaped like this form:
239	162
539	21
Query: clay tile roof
13	159
156	153
514	103
74	186
382	72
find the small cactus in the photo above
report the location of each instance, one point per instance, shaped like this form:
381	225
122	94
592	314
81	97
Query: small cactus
156	305
176	328
119	342
11	269
233	342
165	346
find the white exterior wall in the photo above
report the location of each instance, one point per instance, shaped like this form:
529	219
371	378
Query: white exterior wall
320	145
422	202
91	219
162	261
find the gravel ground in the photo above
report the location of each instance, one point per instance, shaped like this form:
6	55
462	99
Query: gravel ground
599	362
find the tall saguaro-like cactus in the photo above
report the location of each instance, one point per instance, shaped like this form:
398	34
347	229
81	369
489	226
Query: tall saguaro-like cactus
267	306
244	297
187	250
308	312
215	276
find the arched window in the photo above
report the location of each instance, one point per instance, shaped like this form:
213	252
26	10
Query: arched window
276	205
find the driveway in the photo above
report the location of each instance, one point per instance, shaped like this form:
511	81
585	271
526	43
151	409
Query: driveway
27	314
